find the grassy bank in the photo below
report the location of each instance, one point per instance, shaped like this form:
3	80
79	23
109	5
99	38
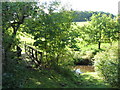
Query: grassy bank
21	76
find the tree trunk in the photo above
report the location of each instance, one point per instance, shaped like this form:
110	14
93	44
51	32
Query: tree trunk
110	43
99	44
57	59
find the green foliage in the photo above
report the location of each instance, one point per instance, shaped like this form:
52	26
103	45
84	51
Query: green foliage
10	70
52	31
85	15
13	16
63	70
105	27
84	57
101	29
54	34
106	64
87	53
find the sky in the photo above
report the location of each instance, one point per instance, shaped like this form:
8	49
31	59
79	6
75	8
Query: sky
110	6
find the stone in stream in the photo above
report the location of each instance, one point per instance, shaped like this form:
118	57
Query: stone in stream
77	71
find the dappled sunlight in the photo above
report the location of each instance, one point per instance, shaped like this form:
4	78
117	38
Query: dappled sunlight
35	81
38	83
92	80
56	49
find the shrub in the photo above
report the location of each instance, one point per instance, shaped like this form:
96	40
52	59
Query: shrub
106	64
83	57
63	70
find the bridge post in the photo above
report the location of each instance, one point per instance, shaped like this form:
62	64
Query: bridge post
41	57
25	46
36	57
32	53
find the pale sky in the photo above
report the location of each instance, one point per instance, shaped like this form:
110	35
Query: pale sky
110	6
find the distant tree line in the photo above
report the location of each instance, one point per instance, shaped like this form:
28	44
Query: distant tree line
85	15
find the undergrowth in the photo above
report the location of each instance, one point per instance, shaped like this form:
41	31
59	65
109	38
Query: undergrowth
18	75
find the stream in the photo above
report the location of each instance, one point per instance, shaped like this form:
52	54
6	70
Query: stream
83	68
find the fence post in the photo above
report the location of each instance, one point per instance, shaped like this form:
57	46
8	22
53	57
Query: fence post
29	51
36	55
25	46
32	53
41	57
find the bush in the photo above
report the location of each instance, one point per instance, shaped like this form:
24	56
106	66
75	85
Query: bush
63	70
85	57
106	64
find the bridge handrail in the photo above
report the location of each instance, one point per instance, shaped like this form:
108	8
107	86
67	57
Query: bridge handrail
34	54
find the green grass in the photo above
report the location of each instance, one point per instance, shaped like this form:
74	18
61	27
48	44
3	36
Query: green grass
92	80
104	46
51	79
21	76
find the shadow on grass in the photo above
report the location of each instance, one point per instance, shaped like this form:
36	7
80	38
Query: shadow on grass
92	80
19	76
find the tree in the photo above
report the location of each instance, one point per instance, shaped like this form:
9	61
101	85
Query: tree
101	28
85	15
51	30
13	16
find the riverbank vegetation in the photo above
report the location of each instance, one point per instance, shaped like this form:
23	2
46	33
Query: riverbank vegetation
62	44
22	76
